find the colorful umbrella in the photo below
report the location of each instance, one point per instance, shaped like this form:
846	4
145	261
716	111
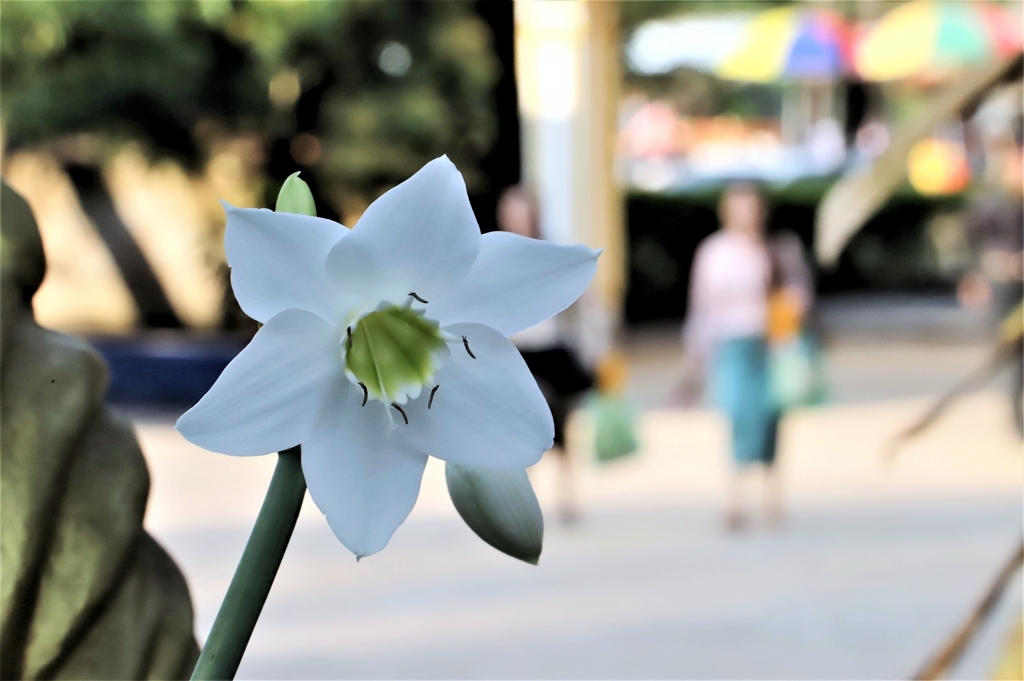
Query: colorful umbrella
698	42
924	36
789	43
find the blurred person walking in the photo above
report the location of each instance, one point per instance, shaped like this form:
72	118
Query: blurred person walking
548	351
744	290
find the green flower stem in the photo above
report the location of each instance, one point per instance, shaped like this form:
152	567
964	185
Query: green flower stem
255	572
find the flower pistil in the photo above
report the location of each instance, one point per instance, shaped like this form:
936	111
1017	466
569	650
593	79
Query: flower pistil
392	352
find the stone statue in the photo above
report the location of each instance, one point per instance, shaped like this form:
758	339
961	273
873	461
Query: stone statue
85	592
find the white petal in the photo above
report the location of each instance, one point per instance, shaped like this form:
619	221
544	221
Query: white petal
268	397
279	261
361	474
487	411
517	282
420	236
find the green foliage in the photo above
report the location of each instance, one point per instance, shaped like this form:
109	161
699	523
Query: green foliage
636	12
383	87
403	83
85	592
128	69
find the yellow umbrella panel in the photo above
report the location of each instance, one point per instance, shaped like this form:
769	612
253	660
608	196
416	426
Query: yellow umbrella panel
763	48
924	35
788	43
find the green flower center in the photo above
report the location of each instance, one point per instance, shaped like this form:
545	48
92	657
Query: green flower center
392	352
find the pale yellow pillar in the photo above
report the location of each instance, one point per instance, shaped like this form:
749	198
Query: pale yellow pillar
567	70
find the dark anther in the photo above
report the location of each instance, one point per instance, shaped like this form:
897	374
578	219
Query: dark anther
366	393
402	412
466	343
413	294
348	330
430	400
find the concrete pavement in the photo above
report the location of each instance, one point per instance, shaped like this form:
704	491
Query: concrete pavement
875	567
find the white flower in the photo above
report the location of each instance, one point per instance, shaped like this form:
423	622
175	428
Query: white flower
384	344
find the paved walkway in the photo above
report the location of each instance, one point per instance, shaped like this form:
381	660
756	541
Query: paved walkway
876	565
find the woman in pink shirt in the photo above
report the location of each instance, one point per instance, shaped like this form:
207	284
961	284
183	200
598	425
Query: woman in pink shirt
726	326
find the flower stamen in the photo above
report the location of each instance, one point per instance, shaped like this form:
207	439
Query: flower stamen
465	342
348	330
402	412
366	393
413	294
430	400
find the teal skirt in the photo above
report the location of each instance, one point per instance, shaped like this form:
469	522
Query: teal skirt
740	387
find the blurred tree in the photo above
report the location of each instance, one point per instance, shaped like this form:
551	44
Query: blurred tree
383	88
128	70
639	11
359	93
122	71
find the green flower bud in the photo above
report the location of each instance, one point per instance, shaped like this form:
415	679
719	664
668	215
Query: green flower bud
500	506
295	197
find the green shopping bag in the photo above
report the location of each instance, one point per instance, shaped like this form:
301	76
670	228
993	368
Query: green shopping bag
795	373
614	428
